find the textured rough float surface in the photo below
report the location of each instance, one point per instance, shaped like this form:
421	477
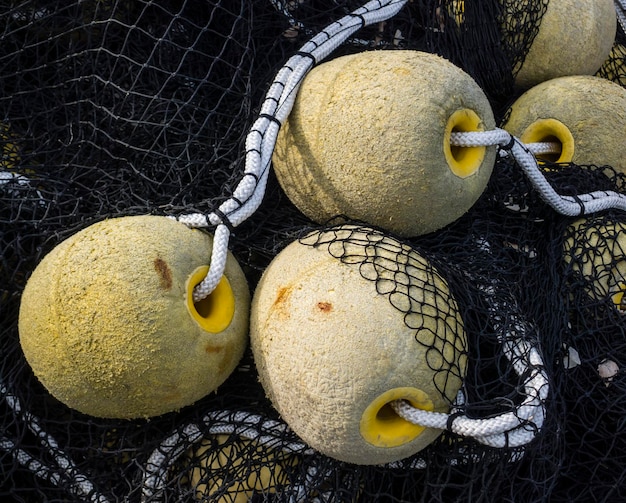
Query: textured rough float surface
105	324
592	109
333	339
368	138
575	37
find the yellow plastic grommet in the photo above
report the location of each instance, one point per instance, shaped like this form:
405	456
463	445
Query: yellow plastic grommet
463	161
382	427
551	130
618	298
215	312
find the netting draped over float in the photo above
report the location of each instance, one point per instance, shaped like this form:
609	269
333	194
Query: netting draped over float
113	108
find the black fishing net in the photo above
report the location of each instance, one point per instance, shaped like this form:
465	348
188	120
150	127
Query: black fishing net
112	108
614	68
410	283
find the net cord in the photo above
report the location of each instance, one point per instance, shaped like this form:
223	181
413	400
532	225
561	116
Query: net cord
511	429
266	432
65	474
9	178
582	204
284	8
261	139
278	103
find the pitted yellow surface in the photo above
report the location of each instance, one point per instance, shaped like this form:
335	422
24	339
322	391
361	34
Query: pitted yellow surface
105	326
574	38
593	109
329	345
366	139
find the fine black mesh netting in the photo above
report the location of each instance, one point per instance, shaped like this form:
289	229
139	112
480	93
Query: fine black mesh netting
115	107
614	68
412	286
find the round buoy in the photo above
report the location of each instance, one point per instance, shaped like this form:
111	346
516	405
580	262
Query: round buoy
108	324
227	470
343	323
595	250
574	37
369	138
584	115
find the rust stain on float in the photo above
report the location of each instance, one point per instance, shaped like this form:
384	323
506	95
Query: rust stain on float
283	293
210	349
224	360
325	307
164	272
281	304
224	365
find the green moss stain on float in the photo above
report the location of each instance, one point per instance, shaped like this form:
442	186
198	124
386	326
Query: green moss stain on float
107	326
369	138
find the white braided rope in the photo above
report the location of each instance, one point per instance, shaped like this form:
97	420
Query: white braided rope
66	471
591	202
278	103
219	254
27	460
510	429
518	427
540	148
266	432
261	139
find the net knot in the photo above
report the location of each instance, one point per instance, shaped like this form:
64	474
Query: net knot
510	144
223	219
271	118
360	16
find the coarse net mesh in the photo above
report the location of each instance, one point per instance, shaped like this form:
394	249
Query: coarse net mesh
113	108
614	68
413	286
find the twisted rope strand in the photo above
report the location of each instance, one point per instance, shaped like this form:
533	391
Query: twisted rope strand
591	202
510	429
278	103
261	139
515	428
